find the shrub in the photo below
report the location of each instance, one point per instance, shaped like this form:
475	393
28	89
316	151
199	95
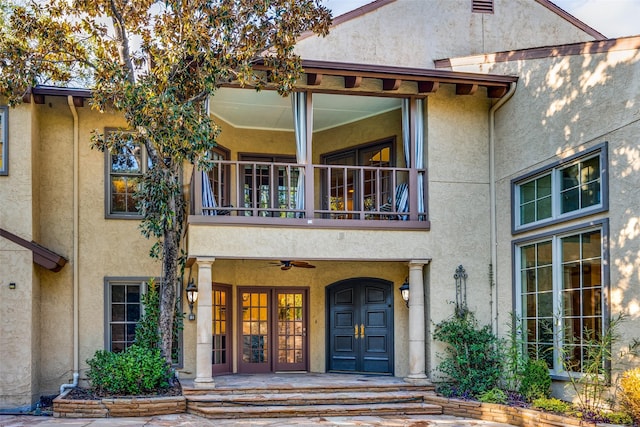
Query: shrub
495	395
536	381
617	418
630	392
472	357
552	405
135	371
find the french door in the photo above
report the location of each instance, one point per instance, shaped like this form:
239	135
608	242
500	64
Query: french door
360	326
273	330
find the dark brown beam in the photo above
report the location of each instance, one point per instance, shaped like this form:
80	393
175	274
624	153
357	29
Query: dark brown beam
496	92
314	79
466	89
428	87
351	82
391	84
78	101
38	98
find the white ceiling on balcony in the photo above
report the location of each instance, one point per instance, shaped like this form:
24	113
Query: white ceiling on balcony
246	108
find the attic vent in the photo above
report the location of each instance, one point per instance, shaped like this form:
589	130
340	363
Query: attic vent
482	6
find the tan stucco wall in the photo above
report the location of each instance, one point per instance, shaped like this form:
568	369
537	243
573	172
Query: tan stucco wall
414	33
562	106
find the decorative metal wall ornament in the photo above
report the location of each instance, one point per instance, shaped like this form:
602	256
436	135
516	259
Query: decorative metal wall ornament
461	291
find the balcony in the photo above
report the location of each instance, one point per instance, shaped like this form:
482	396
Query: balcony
298	195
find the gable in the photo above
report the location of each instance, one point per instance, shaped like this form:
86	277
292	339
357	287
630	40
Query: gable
415	33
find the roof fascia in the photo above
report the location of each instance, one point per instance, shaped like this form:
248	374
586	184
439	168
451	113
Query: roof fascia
41	255
572	19
583	48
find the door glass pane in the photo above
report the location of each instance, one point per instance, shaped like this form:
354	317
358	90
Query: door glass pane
255	327
290	327
219	326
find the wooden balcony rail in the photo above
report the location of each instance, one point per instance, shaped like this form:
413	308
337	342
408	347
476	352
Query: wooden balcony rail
296	194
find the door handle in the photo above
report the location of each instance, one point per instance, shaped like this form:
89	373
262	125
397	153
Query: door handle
361	330
355	333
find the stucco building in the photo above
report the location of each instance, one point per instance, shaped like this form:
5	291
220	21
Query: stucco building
500	136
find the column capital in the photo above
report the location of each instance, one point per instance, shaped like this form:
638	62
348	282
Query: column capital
205	260
418	263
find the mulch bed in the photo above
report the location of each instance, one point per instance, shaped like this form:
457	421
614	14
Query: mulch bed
89	394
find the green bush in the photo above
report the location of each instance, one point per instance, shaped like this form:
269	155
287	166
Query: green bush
495	395
552	405
618	418
472	360
135	371
630	392
536	381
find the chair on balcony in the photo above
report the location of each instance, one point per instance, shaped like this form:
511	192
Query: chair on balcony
401	203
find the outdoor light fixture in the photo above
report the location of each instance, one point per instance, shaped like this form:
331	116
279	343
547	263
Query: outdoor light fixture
404	291
192	297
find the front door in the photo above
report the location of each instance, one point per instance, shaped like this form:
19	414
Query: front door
360	326
273	330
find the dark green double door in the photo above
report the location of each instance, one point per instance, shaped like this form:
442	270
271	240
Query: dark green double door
360	326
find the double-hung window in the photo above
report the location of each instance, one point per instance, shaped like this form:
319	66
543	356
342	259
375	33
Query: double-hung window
566	190
125	171
560	294
4	143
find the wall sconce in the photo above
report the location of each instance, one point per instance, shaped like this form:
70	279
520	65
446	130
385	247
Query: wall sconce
192	297
404	291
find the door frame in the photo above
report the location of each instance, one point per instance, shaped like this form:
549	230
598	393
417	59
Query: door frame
329	290
227	367
272	313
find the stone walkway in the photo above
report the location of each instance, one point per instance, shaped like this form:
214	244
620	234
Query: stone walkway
186	420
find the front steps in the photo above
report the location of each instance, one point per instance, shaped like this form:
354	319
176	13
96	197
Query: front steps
310	397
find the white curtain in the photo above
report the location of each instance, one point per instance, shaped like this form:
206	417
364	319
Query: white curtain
299	106
419	154
208	199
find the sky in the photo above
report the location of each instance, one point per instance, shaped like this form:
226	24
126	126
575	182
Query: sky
613	18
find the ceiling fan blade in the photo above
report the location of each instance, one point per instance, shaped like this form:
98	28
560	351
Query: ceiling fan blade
302	264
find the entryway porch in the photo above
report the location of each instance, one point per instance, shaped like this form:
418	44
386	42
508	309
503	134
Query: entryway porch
307	394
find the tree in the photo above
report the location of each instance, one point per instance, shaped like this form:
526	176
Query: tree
156	62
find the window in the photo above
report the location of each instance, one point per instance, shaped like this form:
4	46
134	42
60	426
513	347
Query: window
573	188
4	144
560	287
125	170
123	312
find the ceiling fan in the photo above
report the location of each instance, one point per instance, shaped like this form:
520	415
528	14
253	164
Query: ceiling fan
286	265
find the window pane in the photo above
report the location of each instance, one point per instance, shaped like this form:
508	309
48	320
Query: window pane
117	312
528	254
128	159
590	194
545	304
590	169
544	253
591	276
571	303
543	209
528	192
133	312
544	186
571	276
591	245
571	248
569	177
545	279
528	213
117	293
592	302
570	200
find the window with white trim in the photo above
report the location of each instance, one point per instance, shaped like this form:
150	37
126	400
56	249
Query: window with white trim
569	189
125	171
560	296
123	312
4	144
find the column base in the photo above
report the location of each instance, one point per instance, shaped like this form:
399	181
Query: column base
208	382
417	380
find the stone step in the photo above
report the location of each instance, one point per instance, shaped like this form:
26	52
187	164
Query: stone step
310	398
189	390
314	410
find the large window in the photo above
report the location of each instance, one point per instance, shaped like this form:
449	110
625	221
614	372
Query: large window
560	288
123	311
569	189
125	171
4	144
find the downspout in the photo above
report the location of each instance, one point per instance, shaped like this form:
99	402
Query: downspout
76	284
492	201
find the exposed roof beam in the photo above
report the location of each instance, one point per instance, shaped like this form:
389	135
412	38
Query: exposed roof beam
314	79
41	255
428	87
391	84
466	89
351	82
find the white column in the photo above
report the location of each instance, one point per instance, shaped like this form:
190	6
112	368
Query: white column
204	339
417	359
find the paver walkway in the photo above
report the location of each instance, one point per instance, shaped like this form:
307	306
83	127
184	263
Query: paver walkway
187	420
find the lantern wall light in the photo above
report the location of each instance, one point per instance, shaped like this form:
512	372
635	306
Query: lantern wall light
404	291
192	297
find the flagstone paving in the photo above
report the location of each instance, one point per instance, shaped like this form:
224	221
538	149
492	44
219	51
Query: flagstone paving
187	420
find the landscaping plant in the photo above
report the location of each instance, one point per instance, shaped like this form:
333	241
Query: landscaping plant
536	381
630	392
472	359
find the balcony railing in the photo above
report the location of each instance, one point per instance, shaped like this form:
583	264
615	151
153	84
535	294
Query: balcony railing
322	195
